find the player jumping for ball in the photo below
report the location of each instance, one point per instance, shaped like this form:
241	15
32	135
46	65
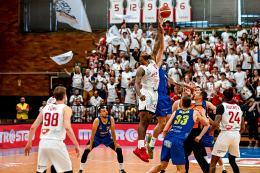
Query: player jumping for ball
182	122
147	76
231	122
101	135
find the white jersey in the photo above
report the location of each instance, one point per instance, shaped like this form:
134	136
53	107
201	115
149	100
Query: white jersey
53	122
87	83
52	100
76	81
150	79
231	118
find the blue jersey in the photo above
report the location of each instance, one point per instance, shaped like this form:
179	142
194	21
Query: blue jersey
182	124
163	81
103	128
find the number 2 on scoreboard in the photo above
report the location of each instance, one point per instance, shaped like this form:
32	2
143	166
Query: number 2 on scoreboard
231	120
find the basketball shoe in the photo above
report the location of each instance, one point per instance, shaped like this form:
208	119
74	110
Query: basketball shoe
122	171
141	153
149	149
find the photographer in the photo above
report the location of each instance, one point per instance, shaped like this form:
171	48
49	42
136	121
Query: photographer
252	111
74	97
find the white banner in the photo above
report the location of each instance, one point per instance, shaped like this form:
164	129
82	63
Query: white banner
168	3
127	17
183	11
133	9
149	11
63	58
114	36
73	13
116	8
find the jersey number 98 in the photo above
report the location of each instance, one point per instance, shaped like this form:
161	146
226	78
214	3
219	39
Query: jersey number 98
51	119
181	119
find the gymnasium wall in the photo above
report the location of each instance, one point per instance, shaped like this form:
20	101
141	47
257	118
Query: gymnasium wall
31	52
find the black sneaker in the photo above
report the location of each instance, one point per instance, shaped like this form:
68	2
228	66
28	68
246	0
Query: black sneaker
224	171
250	146
163	171
256	145
80	171
122	171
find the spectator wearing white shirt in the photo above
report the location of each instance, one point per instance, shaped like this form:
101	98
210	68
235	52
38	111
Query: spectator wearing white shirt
246	60
135	40
214	39
183	65
171	47
149	47
223	83
210	85
189	42
256	64
241	48
240	77
179	33
175	73
125	78
110	60
78	111
230	45
219	59
226	35
150	31
229	75
130	93
200	39
140	31
170	60
167	39
111	91
95	100
76	80
74	97
117	67
124	29
101	81
215	74
195	51
124	61
43	105
232	60
143	41
240	33
118	111
198	82
207	48
254	30
196	67
125	47
177	39
88	85
182	51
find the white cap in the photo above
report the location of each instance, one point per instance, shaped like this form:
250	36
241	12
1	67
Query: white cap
93	51
200	74
202	56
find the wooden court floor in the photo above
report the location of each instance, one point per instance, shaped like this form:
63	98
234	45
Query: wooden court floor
100	160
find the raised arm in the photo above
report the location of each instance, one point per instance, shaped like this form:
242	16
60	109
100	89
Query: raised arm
159	44
139	74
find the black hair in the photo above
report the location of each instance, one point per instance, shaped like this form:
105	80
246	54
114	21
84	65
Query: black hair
100	108
232	49
175	63
207	38
227	27
228	93
178	27
231	37
167	21
238	65
151	24
223	74
204	95
148	41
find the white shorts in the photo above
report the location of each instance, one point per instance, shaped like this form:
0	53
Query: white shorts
53	152
150	102
227	141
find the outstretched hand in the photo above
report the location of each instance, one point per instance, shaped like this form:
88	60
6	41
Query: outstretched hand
160	22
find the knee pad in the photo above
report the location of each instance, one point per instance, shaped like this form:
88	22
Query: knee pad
85	156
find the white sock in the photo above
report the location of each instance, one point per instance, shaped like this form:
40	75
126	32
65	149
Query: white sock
206	158
222	167
140	144
82	166
121	166
152	142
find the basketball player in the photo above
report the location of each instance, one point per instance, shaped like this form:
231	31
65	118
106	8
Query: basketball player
229	119
163	111
101	135
149	75
182	122
55	119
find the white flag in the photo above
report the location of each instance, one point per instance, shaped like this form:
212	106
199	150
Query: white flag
63	58
114	36
125	17
72	13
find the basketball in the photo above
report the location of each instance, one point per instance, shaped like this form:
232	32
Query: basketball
165	11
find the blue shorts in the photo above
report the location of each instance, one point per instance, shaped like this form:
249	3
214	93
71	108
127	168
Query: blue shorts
164	106
172	148
106	141
208	140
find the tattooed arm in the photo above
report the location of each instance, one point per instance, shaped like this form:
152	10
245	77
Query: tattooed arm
139	74
160	45
158	41
179	84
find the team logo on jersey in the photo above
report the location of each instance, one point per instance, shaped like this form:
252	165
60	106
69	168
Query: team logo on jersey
228	127
100	127
44	131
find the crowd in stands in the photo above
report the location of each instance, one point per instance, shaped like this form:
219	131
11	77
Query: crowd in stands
214	64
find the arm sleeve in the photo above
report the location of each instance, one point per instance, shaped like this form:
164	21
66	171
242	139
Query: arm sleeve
220	110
